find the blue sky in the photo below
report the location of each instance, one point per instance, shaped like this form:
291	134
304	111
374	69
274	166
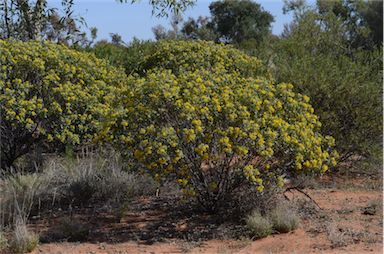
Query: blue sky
136	20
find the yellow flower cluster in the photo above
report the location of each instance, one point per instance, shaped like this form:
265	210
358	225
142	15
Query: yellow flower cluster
180	56
200	114
205	121
51	92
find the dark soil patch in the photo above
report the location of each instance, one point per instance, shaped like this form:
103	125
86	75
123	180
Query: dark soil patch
145	219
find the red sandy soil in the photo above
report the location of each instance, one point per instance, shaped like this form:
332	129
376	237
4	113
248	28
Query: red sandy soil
342	225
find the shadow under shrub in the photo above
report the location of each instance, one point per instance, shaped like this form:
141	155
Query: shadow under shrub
69	229
246	198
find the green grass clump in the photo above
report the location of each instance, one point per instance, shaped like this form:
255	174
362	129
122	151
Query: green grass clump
3	241
73	230
23	240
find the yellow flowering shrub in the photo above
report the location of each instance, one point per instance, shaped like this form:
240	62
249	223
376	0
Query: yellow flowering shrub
51	93
180	56
213	131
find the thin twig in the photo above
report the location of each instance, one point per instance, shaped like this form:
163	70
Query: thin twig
302	192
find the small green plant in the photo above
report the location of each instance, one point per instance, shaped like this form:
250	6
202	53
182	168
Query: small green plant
258	225
372	208
3	241
22	239
73	230
284	219
122	210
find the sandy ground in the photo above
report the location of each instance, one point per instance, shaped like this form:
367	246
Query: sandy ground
345	223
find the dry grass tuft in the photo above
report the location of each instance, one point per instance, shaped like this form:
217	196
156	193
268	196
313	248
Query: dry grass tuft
258	225
284	218
22	239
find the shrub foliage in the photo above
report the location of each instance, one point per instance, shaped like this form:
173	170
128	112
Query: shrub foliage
180	56
50	93
129	57
214	130
344	84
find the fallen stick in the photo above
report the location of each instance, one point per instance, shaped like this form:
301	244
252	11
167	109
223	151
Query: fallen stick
302	192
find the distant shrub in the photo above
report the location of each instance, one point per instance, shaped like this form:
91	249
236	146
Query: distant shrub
180	56
283	218
258	225
72	230
129	57
213	130
345	85
177	55
50	93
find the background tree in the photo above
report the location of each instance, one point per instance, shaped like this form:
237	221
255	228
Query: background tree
236	21
320	55
64	31
116	39
162	33
164	7
373	15
22	19
198	29
363	20
34	20
230	22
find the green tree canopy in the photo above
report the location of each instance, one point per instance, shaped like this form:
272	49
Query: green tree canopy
362	20
163	7
35	20
343	82
236	21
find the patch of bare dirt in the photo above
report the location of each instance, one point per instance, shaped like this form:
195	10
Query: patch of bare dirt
349	221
